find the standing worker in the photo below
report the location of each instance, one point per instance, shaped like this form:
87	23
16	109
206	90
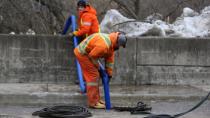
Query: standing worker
88	52
87	21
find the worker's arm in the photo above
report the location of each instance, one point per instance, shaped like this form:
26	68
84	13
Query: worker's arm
86	23
109	64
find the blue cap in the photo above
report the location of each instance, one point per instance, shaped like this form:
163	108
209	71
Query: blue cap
82	3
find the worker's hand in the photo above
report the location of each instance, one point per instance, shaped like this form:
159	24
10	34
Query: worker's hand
109	78
75	33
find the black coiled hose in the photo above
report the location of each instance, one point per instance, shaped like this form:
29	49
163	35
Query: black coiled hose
66	111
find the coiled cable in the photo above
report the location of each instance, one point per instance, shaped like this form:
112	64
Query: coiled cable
66	111
140	108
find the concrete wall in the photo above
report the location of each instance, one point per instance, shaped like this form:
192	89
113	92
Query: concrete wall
166	61
50	59
174	61
36	59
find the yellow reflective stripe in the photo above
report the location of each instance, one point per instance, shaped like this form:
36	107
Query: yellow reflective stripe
95	61
109	65
106	39
92	83
83	45
99	29
81	50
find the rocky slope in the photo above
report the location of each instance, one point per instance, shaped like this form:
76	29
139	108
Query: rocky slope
48	16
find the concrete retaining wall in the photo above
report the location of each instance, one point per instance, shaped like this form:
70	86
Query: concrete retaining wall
50	59
36	59
174	61
166	61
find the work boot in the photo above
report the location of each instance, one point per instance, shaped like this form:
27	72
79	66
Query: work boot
102	102
98	106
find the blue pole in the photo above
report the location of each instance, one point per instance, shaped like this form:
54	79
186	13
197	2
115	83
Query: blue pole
66	27
105	81
72	21
79	70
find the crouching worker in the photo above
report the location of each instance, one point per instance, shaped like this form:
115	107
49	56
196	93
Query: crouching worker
88	52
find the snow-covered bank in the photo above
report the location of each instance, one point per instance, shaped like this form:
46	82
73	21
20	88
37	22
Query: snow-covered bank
189	24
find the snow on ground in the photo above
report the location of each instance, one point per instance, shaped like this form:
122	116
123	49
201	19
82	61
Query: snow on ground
30	32
189	24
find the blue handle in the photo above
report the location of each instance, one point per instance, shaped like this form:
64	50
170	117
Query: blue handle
105	81
79	70
67	25
72	21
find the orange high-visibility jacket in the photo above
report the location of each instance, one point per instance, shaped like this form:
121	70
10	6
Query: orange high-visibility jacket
88	22
100	45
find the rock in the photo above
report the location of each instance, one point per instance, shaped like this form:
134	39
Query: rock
30	32
154	31
12	33
154	17
43	16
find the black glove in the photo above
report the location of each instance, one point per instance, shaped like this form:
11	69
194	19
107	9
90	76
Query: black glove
109	78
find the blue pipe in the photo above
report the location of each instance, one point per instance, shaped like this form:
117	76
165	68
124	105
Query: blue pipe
79	70
105	81
66	27
72	21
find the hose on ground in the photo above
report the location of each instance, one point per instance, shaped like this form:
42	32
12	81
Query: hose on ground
180	114
140	108
66	111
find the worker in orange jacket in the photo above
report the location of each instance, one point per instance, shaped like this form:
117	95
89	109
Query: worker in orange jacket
88	52
87	21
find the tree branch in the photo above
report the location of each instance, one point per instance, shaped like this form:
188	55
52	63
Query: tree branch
177	7
126	8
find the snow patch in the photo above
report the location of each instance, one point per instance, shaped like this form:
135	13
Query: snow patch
12	33
30	32
189	24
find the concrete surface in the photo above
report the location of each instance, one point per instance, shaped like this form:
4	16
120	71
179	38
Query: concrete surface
52	94
152	60
39	71
158	108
